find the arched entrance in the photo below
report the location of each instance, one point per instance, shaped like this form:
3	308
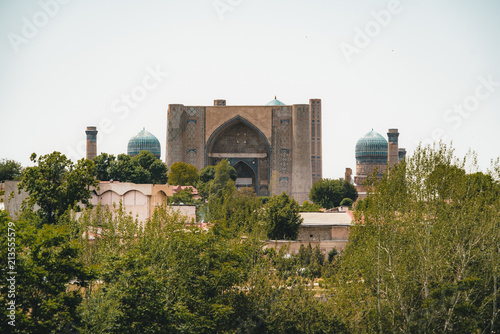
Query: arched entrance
245	176
247	150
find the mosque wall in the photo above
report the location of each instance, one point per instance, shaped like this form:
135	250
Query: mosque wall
288	148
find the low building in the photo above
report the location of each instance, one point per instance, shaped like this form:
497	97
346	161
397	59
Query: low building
328	230
139	200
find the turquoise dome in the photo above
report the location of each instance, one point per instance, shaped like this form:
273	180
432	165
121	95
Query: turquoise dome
144	141
372	148
275	102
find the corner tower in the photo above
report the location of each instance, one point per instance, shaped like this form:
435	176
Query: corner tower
316	145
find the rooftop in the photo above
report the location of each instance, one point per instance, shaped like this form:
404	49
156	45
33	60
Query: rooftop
326	218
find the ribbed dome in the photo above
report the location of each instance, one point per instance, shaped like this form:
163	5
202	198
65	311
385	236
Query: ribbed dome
144	141
275	102
371	148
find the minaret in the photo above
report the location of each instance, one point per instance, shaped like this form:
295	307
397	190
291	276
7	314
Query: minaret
91	142
393	149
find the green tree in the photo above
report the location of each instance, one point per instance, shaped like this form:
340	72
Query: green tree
103	164
143	168
183	174
423	253
48	277
346	202
122	168
282	217
173	279
224	172
55	184
309	207
329	193
158	170
182	196
10	170
207	174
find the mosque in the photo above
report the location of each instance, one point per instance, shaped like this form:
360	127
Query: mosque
274	147
374	153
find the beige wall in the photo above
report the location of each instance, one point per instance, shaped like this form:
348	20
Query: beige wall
139	200
13	205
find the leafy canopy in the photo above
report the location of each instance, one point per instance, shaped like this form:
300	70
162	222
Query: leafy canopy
10	170
55	184
282	217
423	253
183	174
143	168
329	193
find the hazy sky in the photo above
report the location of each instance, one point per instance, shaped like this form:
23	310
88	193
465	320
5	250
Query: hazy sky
429	68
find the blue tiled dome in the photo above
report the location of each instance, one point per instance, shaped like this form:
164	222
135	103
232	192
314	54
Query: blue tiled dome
275	102
372	148
144	141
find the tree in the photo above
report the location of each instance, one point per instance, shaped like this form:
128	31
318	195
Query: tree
48	275
183	174
55	184
10	170
309	207
207	175
172	279
184	196
102	164
346	202
423	253
282	217
158	170
143	168
329	193
223	174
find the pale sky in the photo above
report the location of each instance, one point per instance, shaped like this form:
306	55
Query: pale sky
429	68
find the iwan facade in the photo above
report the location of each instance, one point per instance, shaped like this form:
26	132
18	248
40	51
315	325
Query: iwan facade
273	147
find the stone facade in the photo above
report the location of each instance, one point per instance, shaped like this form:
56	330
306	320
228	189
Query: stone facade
274	147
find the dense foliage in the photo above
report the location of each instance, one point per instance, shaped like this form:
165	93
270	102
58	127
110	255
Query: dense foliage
10	170
183	174
424	256
56	184
282	217
47	273
142	169
329	193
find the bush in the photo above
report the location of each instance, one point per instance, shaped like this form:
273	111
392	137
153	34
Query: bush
346	202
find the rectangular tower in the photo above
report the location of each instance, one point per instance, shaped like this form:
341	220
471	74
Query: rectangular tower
301	153
393	149
316	149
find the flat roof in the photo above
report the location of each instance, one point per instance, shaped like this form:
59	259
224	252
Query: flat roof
326	218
